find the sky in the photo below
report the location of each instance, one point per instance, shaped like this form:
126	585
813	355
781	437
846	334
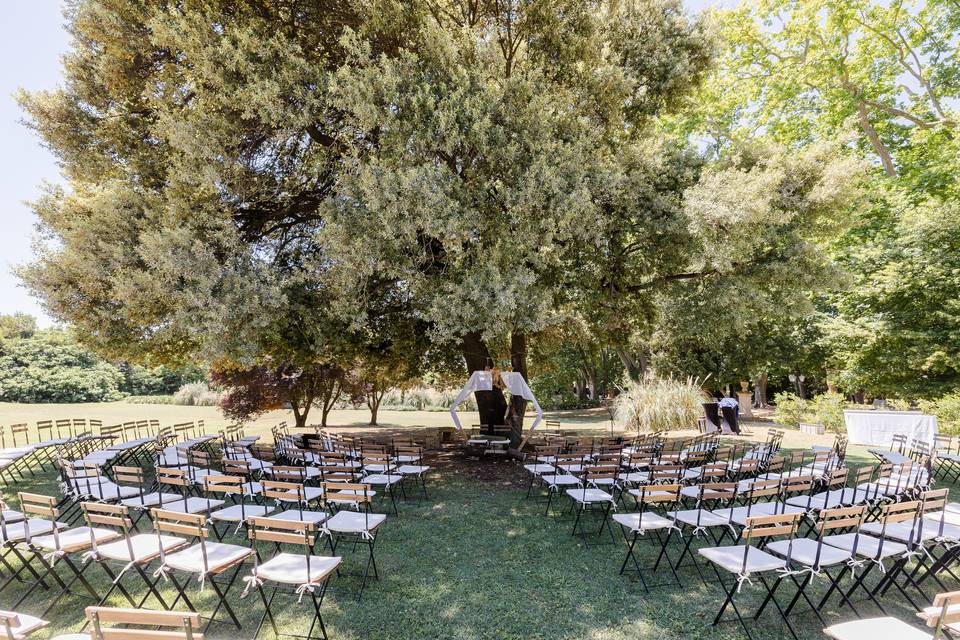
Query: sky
32	41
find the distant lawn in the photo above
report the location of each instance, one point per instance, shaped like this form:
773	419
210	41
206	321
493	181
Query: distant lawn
479	561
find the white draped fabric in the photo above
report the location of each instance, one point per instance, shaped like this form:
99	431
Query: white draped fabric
483	381
877	428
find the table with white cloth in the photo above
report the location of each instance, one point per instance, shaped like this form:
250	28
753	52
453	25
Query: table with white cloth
877	428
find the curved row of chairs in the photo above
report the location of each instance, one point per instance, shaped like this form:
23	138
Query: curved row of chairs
142	509
764	519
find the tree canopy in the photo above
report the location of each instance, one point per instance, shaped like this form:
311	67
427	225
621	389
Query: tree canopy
310	184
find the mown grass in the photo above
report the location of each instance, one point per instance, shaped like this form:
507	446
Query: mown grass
479	561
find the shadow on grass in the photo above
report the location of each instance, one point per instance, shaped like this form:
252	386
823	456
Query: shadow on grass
479	561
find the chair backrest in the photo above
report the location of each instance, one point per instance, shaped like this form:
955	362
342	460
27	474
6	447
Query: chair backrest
293	532
174	478
236	467
93	425
657	494
838	518
283	491
760	489
933	510
175	625
37	505
415	453
347	492
760	527
711	492
895	513
948	613
339	474
226	485
193	525
20	432
666	473
899	443
287	473
64	427
942	443
775	464
115	516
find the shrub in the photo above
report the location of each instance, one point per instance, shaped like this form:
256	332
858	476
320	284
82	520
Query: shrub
51	367
150	399
947	410
898	404
827	409
659	404
196	394
425	399
790	409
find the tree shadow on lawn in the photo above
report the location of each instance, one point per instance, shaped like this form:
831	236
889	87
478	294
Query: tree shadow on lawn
478	561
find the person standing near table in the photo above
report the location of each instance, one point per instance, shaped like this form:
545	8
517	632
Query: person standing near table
730	408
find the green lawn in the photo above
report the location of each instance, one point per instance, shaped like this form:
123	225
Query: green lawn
477	561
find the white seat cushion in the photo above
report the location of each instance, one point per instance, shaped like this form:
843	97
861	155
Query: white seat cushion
143	547
296	515
219	557
36	526
238	512
75	539
804	551
648	521
537	469
152	499
9	516
560	480
589	496
354	521
191	505
297	568
26	625
382	479
867	546
707	518
874	629
105	490
731	559
416	469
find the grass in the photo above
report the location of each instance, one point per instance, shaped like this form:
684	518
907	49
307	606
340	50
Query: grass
479	561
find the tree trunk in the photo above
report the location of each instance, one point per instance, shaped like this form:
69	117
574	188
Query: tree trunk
760	390
374	398
300	417
634	370
331	394
492	405
518	404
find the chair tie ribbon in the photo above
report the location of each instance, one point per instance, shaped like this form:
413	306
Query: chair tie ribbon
856	563
306	587
52	557
253	582
741	578
162	572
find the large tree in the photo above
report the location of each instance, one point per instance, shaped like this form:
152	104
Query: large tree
274	178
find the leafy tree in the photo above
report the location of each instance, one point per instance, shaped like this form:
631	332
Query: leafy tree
51	367
882	77
268	182
251	392
17	325
896	329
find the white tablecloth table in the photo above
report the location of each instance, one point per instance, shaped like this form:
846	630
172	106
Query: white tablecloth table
877	428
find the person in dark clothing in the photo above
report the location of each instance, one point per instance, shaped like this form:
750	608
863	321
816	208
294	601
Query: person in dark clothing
730	408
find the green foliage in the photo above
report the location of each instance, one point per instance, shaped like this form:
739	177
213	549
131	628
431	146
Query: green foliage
144	381
17	325
791	409
51	367
827	409
896	329
947	410
659	404
196	394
